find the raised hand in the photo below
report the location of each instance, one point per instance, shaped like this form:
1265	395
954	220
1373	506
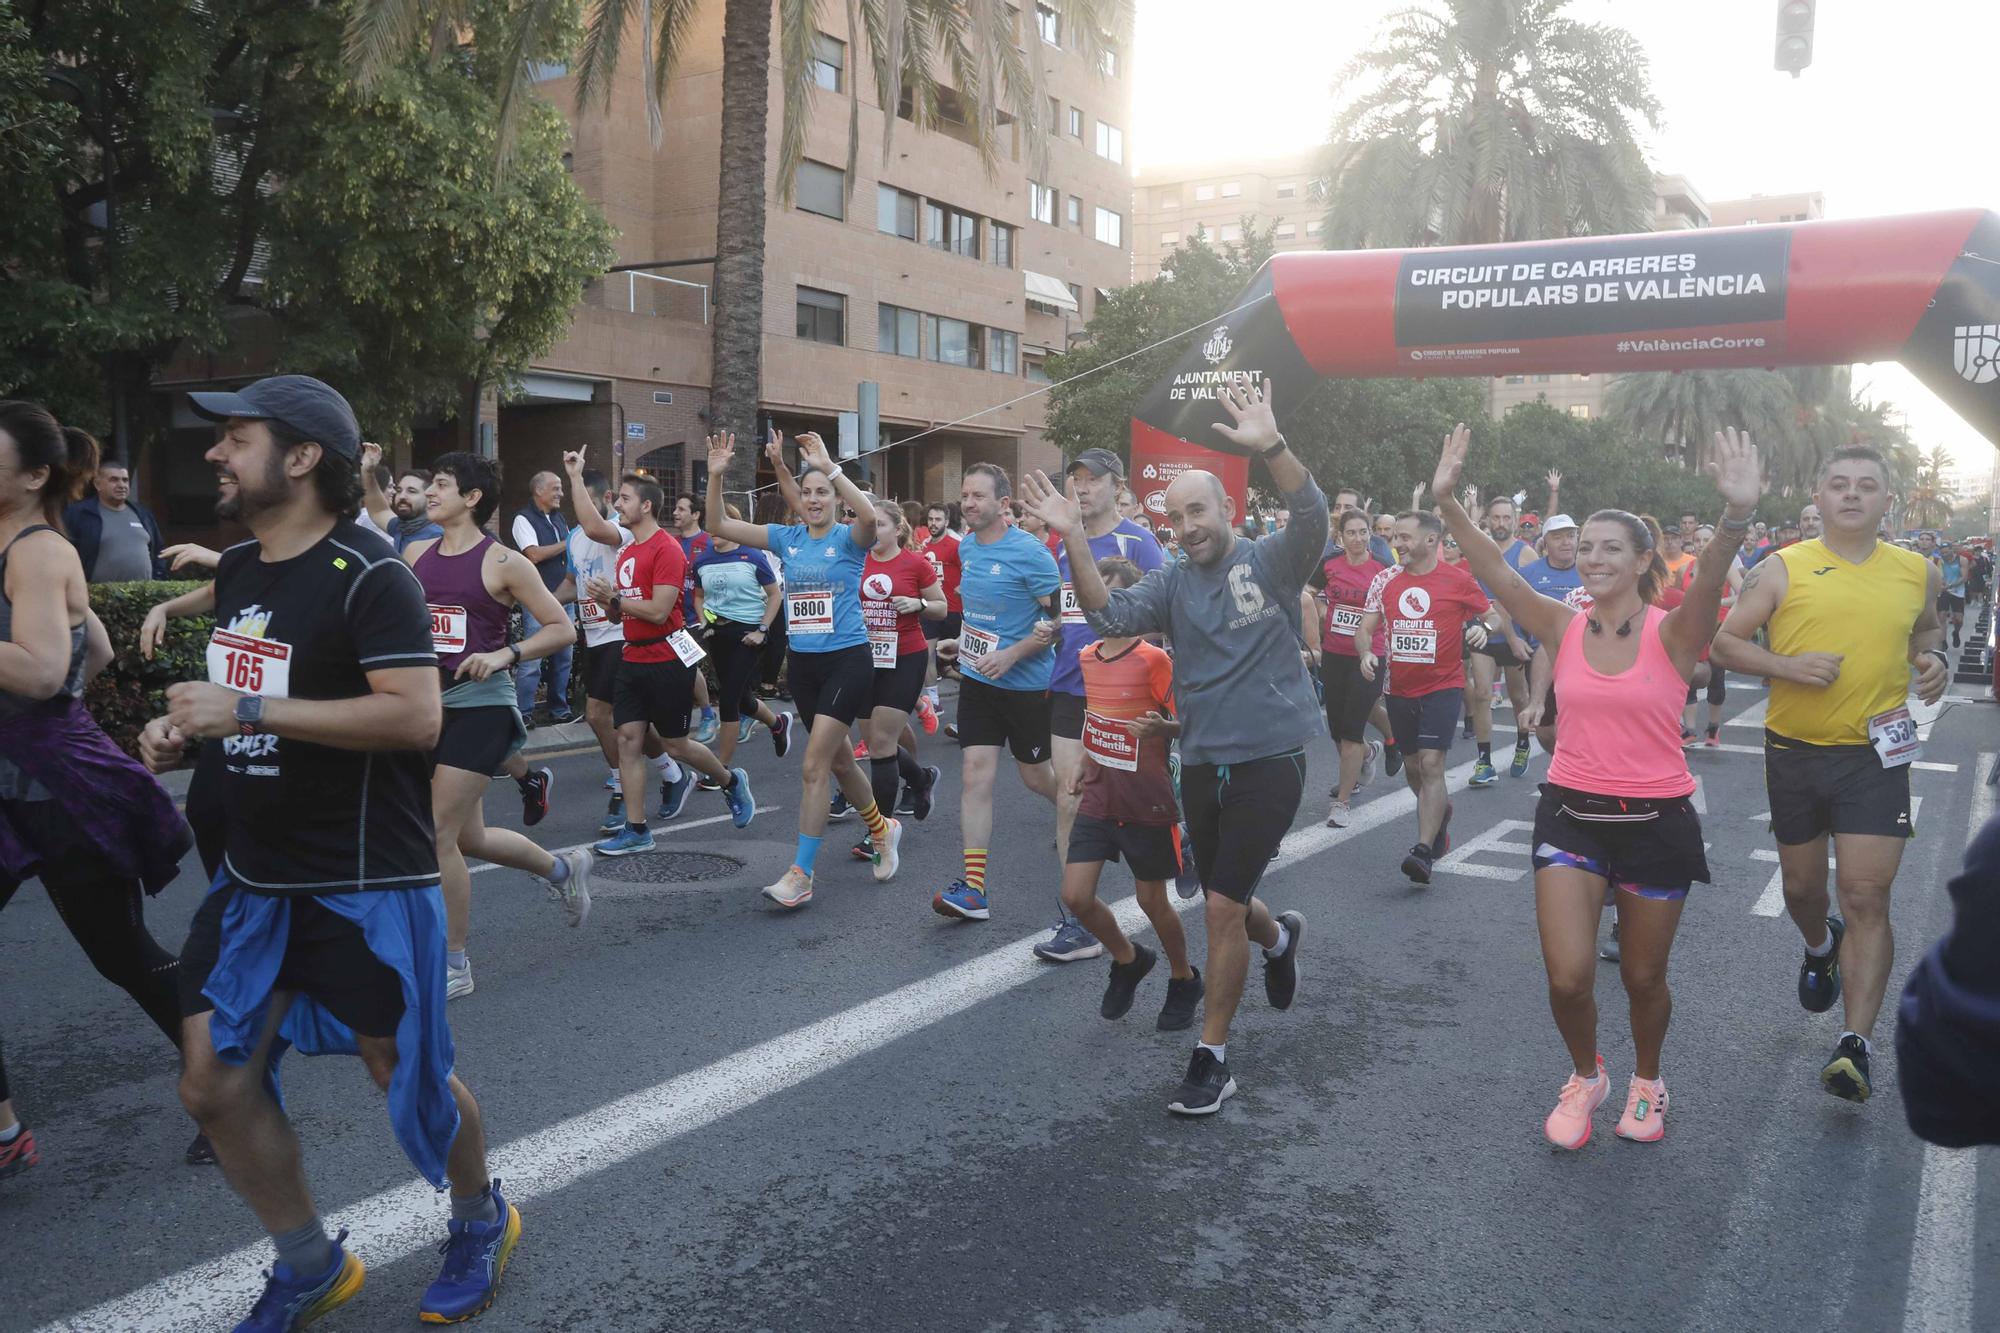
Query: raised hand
721	448
812	452
1555	480
371	454
1451	460
1256	427
1736	470
1417	494
774	449
573	462
1040	496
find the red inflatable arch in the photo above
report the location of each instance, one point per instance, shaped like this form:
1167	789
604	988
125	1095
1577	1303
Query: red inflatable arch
1923	290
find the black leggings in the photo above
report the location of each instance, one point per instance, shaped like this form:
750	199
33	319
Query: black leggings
774	651
107	917
736	668
884	773
1718	686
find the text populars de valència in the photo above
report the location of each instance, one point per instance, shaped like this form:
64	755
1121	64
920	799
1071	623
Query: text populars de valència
1480	287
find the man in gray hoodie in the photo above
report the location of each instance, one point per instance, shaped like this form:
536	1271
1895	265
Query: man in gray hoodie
1231	612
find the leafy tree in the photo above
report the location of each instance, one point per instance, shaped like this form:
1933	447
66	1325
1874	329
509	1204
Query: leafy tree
1479	121
1603	466
1930	498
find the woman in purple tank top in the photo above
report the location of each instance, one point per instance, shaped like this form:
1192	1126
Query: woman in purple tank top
1615	812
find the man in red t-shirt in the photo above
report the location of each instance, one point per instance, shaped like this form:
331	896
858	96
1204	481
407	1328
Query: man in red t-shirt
1430	611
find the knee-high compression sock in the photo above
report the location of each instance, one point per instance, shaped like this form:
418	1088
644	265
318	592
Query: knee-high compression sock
882	780
908	768
975	868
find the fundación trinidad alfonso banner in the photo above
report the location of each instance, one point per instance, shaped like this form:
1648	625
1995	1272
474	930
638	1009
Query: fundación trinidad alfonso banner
1922	289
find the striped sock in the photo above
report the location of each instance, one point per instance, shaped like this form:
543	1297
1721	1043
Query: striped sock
975	868
878	827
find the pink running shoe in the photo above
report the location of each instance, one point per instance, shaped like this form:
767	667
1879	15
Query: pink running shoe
1568	1126
927	715
1645	1118
861	751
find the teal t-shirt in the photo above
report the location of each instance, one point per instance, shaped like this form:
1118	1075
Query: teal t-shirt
822	586
733	583
1002	584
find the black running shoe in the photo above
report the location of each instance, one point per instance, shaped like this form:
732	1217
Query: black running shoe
1392	760
1819	978
1183	998
838	808
1281	974
1846	1074
781	734
201	1152
921	801
1442	842
1188	883
863	850
1417	865
1124	983
1206	1087
535	789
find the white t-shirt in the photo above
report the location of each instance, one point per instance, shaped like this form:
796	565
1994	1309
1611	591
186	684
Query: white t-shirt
587	559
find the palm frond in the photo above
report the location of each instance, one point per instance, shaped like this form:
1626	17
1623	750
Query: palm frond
379	33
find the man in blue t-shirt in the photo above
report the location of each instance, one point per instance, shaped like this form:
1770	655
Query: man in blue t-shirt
1094	478
1009	584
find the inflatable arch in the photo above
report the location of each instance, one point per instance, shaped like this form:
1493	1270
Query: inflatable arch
1923	290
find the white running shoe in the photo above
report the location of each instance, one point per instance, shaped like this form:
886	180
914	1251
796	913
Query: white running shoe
457	980
793	890
886	859
1370	756
574	892
1337	815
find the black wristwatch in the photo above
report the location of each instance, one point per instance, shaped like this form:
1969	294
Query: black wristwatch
250	714
1274	450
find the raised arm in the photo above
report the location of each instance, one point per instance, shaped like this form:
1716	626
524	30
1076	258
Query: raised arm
1739	480
1543	617
813	453
588	516
788	485
372	499
1296	550
715	514
1125	614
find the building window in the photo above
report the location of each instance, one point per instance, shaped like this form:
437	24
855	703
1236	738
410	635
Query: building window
1170	201
1003	351
1110	62
1000	244
1110	227
1055	114
829	68
1231	190
1203	193
1035	371
1048	23
948	228
1076	122
950	342
822	316
1110	142
1073	213
1076	295
1170	238
1287	190
896	331
1286	231
1232	232
541	71
1041	203
1581	411
821	189
1312	227
895	212
1541	379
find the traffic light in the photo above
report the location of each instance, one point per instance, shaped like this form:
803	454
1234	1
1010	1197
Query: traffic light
1795	34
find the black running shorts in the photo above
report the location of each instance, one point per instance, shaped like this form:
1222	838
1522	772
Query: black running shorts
1820	789
1237	815
1427	722
1066	715
1664	851
1348	695
660	693
600	669
477	740
946	628
326	958
897	687
1017	719
1151	850
839	684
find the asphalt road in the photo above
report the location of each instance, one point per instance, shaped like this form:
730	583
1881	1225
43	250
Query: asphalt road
862	1116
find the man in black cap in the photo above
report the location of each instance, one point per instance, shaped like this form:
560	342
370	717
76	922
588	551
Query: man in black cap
324	928
1095	476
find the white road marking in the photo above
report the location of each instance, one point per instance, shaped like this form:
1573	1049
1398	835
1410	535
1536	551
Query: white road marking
1772	900
1938	1297
1753	716
659	831
1493	840
1700	796
1921	765
408	1219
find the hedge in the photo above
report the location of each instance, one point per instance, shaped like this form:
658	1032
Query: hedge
132	691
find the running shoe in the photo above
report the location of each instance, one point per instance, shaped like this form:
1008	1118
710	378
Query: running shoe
707	728
1124	982
746	726
860	752
18	1153
1846	1074
863	850
200	1152
960	899
1568	1126
793	890
614	815
1281	974
475	1255
1466	726
1609	953
742	801
887	858
535	789
1484	774
1392	761
574	892
838	809
1417	865
781	734
1689	739
1338	813
1070	943
951	730
1519	767
927	717
1183	997
457	980
1713	740
625	842
922	801
906	800
703	782
1371	754
1645	1118
1188	882
561	719
290	1301
611	781
674	794
1442	842
1206	1087
1819	978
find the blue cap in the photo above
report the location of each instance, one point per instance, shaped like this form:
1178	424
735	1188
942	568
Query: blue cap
311	407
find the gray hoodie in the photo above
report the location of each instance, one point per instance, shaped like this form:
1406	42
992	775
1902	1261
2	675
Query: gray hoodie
1240	685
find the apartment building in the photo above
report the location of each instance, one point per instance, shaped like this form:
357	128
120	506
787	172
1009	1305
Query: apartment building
1171	203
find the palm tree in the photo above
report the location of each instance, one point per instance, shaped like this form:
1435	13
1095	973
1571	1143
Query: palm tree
944	57
1479	121
1681	410
1929	502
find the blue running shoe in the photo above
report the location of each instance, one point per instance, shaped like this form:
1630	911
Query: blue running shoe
1069	944
1484	774
708	727
475	1255
837	807
744	728
614	815
742	802
626	841
290	1301
961	901
1519	768
674	795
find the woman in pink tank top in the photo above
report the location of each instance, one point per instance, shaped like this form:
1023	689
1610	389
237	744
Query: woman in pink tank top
1615	813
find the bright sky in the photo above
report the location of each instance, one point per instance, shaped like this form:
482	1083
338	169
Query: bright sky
1891	116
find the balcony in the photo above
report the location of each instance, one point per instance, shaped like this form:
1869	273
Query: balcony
650	295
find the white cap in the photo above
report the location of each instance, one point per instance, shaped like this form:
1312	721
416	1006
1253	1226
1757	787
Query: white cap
1557	522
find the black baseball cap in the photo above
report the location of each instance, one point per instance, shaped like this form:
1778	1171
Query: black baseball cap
1100	461
311	407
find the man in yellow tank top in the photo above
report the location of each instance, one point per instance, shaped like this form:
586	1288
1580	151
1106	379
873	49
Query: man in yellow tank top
1850	618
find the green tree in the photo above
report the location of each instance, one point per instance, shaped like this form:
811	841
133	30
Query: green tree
966	64
1603	466
1675	413
1478	121
1928	504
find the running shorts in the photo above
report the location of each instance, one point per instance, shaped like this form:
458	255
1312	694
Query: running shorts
326	957
1066	715
1237	815
1348	695
660	693
839	684
600	670
1017	719
897	687
1427	722
1950	603
946	628
477	740
1656	857
1496	647
1820	789
1151	850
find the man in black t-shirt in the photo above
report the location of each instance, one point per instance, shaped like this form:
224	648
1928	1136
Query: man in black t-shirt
324	928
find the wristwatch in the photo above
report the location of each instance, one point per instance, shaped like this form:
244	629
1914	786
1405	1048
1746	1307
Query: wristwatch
1274	450
250	714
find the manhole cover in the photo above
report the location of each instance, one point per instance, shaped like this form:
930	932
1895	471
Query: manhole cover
666	867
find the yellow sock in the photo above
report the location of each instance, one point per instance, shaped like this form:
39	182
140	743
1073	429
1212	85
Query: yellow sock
878	827
975	868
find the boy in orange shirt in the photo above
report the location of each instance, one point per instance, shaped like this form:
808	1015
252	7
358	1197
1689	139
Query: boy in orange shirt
1127	809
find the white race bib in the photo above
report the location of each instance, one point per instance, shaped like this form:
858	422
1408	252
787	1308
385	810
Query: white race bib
1413	645
1346	621
1110	742
591	612
686	648
808	611
1072	613
254	666
448	629
975	642
882	647
1894	736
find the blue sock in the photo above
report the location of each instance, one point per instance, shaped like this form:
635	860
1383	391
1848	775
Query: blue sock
561	871
807	854
456	960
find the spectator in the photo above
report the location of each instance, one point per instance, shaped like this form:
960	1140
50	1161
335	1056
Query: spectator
1128	505
117	540
1810	523
1948	1025
540	533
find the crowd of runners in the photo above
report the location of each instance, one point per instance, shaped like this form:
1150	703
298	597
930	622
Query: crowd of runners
363	686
